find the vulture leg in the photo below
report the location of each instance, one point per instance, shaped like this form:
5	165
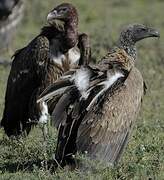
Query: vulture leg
45	140
44	122
39	111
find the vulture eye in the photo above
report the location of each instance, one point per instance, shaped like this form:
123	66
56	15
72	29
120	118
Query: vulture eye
143	29
63	10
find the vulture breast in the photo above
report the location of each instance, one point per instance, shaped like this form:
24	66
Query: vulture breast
72	56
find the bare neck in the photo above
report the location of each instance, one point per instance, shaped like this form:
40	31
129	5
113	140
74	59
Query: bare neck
71	33
128	45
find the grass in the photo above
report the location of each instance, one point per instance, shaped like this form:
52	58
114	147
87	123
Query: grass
102	20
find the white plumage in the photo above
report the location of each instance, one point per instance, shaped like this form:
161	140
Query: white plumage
112	77
58	59
81	79
44	113
74	55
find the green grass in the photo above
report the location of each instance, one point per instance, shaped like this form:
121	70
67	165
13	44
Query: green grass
102	20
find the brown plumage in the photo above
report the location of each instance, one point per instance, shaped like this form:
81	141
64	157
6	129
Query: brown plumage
76	104
55	50
103	132
99	118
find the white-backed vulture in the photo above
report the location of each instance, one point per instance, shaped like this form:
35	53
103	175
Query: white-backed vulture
97	107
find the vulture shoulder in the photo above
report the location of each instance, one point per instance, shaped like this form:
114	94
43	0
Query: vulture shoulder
29	62
26	74
104	133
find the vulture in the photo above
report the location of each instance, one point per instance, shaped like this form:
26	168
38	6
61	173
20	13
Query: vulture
54	51
97	105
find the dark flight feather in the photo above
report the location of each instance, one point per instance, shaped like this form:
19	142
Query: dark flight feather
27	72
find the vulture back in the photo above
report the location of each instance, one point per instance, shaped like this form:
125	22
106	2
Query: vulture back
104	132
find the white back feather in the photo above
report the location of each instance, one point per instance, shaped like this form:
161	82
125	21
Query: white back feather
81	78
111	79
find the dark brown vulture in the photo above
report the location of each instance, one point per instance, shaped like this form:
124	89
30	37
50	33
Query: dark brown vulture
98	108
54	51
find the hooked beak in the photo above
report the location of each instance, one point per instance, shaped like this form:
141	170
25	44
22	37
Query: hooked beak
147	34
153	33
52	15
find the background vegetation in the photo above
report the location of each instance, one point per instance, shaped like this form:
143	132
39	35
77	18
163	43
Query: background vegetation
102	20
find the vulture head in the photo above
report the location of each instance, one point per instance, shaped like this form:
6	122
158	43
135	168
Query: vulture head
134	33
64	12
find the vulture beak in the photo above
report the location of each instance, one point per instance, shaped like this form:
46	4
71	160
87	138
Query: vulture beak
52	15
153	33
146	33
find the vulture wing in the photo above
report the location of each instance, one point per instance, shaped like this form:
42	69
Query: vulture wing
71	108
104	134
57	88
27	73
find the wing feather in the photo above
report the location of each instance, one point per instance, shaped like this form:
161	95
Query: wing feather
105	135
27	73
